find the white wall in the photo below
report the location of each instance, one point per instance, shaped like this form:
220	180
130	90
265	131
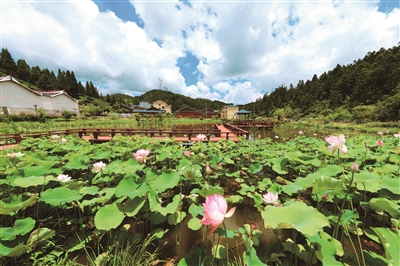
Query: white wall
19	99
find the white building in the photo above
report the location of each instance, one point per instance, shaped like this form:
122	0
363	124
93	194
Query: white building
16	98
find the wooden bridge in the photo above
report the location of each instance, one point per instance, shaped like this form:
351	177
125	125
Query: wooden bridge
97	135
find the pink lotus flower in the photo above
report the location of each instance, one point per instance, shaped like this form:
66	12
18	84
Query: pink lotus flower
379	143
337	143
63	140
64	178
215	211
12	154
380	133
259	136
201	137
208	169
270	197
187	153
99	166
354	167
141	155
396	135
301	132
387	131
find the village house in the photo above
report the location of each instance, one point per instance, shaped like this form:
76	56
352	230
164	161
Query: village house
229	111
163	106
16	98
188	112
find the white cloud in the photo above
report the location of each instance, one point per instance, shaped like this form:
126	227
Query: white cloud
244	47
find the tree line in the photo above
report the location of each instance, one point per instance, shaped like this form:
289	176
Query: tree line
44	79
367	89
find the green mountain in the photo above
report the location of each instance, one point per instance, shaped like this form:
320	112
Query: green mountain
367	89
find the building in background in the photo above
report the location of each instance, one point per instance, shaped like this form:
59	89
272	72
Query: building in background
163	106
229	111
16	98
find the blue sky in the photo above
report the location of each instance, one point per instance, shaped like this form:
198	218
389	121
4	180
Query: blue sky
234	52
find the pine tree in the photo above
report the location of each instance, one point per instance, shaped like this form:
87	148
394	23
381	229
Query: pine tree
7	63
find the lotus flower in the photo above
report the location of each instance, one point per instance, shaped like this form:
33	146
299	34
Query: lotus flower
201	137
99	166
215	211
208	169
354	167
387	131
380	133
301	132
396	135
270	197
141	155
187	153
12	154
337	143
379	143
64	178
63	140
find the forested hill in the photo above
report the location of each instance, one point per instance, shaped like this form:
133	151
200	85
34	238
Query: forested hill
177	101
368	87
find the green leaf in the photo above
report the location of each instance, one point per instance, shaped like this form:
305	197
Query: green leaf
164	181
390	240
131	188
108	217
218	251
280	165
251	258
76	164
175	218
384	204
194	224
369	181
297	215
59	195
32	181
255	168
21	227
38	236
328	248
391	184
132	206
12	248
37	170
11	205
325	184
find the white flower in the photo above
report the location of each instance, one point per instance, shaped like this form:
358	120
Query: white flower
99	166
201	136
270	197
64	178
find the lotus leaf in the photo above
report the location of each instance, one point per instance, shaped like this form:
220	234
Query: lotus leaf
108	217
297	215
21	227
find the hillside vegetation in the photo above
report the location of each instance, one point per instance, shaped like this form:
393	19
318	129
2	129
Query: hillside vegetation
366	90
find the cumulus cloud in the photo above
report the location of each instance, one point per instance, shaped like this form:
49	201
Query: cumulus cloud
244	48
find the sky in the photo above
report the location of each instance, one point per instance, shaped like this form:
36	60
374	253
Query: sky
226	50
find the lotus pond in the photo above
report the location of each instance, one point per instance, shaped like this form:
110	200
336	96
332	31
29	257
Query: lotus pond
140	201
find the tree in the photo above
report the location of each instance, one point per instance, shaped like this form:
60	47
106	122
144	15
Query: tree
7	63
23	70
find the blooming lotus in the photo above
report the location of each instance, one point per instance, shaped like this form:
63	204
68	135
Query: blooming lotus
301	132
215	211
380	133
396	135
379	143
99	166
187	153
141	155
387	131
270	197
64	178
201	137
63	140
337	143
